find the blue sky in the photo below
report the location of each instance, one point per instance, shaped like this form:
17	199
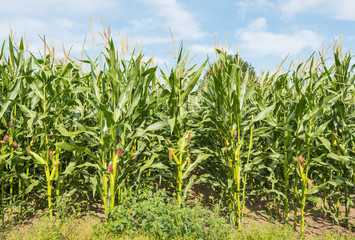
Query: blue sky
263	31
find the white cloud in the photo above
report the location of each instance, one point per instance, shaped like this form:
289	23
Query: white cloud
160	61
61	7
243	6
343	9
65	23
262	42
19	26
181	22
135	36
292	7
143	24
155	40
202	49
340	9
335	9
57	32
258	24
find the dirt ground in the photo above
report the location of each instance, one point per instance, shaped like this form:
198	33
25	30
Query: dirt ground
257	211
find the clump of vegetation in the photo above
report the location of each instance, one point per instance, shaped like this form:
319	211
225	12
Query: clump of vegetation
163	218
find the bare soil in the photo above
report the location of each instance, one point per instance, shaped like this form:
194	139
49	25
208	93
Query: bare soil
259	211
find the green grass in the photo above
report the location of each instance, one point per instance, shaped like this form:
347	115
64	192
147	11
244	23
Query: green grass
90	227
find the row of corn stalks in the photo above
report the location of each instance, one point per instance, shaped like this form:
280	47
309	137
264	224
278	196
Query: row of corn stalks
287	138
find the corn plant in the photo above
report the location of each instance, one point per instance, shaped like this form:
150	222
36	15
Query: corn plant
118	96
230	115
180	84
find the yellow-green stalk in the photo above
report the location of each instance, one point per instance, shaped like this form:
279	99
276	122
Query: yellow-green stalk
50	175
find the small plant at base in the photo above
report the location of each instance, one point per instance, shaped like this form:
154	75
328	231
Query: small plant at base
157	214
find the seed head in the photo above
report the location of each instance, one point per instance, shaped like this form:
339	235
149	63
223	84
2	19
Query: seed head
300	161
334	136
6	138
171	152
110	169
225	141
234	134
189	137
14	145
187	150
51	155
9	125
28	149
119	168
33	139
56	163
119	152
168	141
309	183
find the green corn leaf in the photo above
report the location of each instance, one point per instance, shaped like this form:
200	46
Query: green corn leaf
69	169
338	157
156	126
319	130
192	83
326	143
39	159
158	166
71	147
188	186
147	164
171	122
315	189
4	156
33	183
13	94
335	182
264	113
192	166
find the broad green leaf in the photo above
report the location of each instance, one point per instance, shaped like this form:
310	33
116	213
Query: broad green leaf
338	157
13	94
192	166
326	143
157	126
38	158
264	113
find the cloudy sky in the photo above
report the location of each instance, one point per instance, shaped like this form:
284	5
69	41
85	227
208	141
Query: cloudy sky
263	31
